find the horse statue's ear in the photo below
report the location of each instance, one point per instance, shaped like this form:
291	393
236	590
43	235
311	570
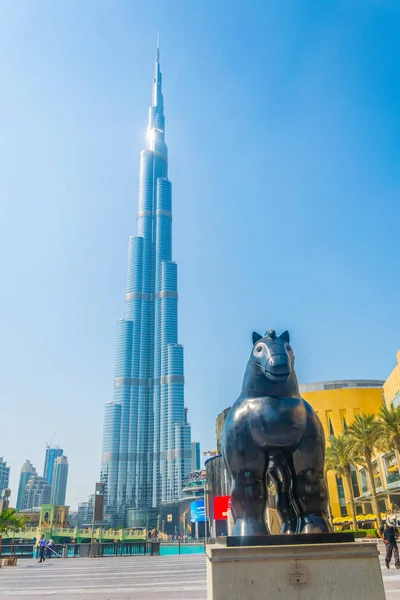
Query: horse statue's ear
256	337
285	337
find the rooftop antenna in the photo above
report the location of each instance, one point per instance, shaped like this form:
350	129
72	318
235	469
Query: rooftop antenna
158	47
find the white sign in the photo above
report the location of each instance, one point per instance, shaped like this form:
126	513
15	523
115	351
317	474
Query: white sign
298	577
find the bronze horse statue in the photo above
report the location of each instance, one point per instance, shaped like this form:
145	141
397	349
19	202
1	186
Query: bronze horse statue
271	433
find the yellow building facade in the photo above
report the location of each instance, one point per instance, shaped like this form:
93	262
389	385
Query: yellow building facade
391	387
337	403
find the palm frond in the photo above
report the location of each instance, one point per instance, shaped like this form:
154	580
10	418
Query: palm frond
341	454
388	426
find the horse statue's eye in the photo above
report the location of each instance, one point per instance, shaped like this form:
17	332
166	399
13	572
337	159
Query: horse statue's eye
259	348
288	348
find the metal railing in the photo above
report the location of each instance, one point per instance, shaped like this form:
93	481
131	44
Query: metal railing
82	550
124	548
129	535
17	550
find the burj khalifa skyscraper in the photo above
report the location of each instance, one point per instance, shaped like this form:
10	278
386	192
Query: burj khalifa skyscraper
146	438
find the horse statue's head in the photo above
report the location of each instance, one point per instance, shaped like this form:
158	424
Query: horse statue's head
273	354
270	369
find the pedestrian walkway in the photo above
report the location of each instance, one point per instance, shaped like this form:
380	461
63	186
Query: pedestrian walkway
144	577
132	578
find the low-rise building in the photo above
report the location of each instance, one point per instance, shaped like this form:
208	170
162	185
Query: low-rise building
84	516
193	485
32	514
53	515
386	464
337	403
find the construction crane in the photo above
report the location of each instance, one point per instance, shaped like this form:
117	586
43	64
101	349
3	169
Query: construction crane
210	452
48	444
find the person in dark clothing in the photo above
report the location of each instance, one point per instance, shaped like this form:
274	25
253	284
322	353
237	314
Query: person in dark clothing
389	535
42	548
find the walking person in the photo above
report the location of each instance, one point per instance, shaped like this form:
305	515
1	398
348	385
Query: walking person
389	535
42	548
50	548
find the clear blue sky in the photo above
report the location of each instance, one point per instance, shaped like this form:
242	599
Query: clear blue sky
283	132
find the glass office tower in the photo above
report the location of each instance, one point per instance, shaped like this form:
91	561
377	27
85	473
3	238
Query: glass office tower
4	475
27	470
146	439
52	452
59	481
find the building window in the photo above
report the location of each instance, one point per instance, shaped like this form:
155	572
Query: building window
343	418
377	475
364	481
328	416
391	468
342	497
394	501
354	481
382	505
396	400
367	508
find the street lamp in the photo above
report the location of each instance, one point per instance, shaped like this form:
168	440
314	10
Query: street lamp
208	506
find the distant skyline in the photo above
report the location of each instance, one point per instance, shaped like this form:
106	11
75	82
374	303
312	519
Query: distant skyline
283	137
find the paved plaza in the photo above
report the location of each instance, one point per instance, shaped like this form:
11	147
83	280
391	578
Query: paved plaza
144	577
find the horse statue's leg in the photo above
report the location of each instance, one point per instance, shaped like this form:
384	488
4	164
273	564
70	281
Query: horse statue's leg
281	476
309	489
248	491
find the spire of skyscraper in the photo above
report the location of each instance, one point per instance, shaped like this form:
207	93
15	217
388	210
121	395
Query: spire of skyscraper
146	440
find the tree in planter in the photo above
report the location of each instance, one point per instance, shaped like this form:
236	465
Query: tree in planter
340	456
364	433
10	521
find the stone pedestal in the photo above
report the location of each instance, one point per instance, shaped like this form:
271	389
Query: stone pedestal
346	571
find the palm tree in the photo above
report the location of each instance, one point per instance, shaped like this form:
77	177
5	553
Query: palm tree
10	521
17	522
5	516
364	432
389	428
340	456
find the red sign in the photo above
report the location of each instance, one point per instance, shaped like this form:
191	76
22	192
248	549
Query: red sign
221	506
